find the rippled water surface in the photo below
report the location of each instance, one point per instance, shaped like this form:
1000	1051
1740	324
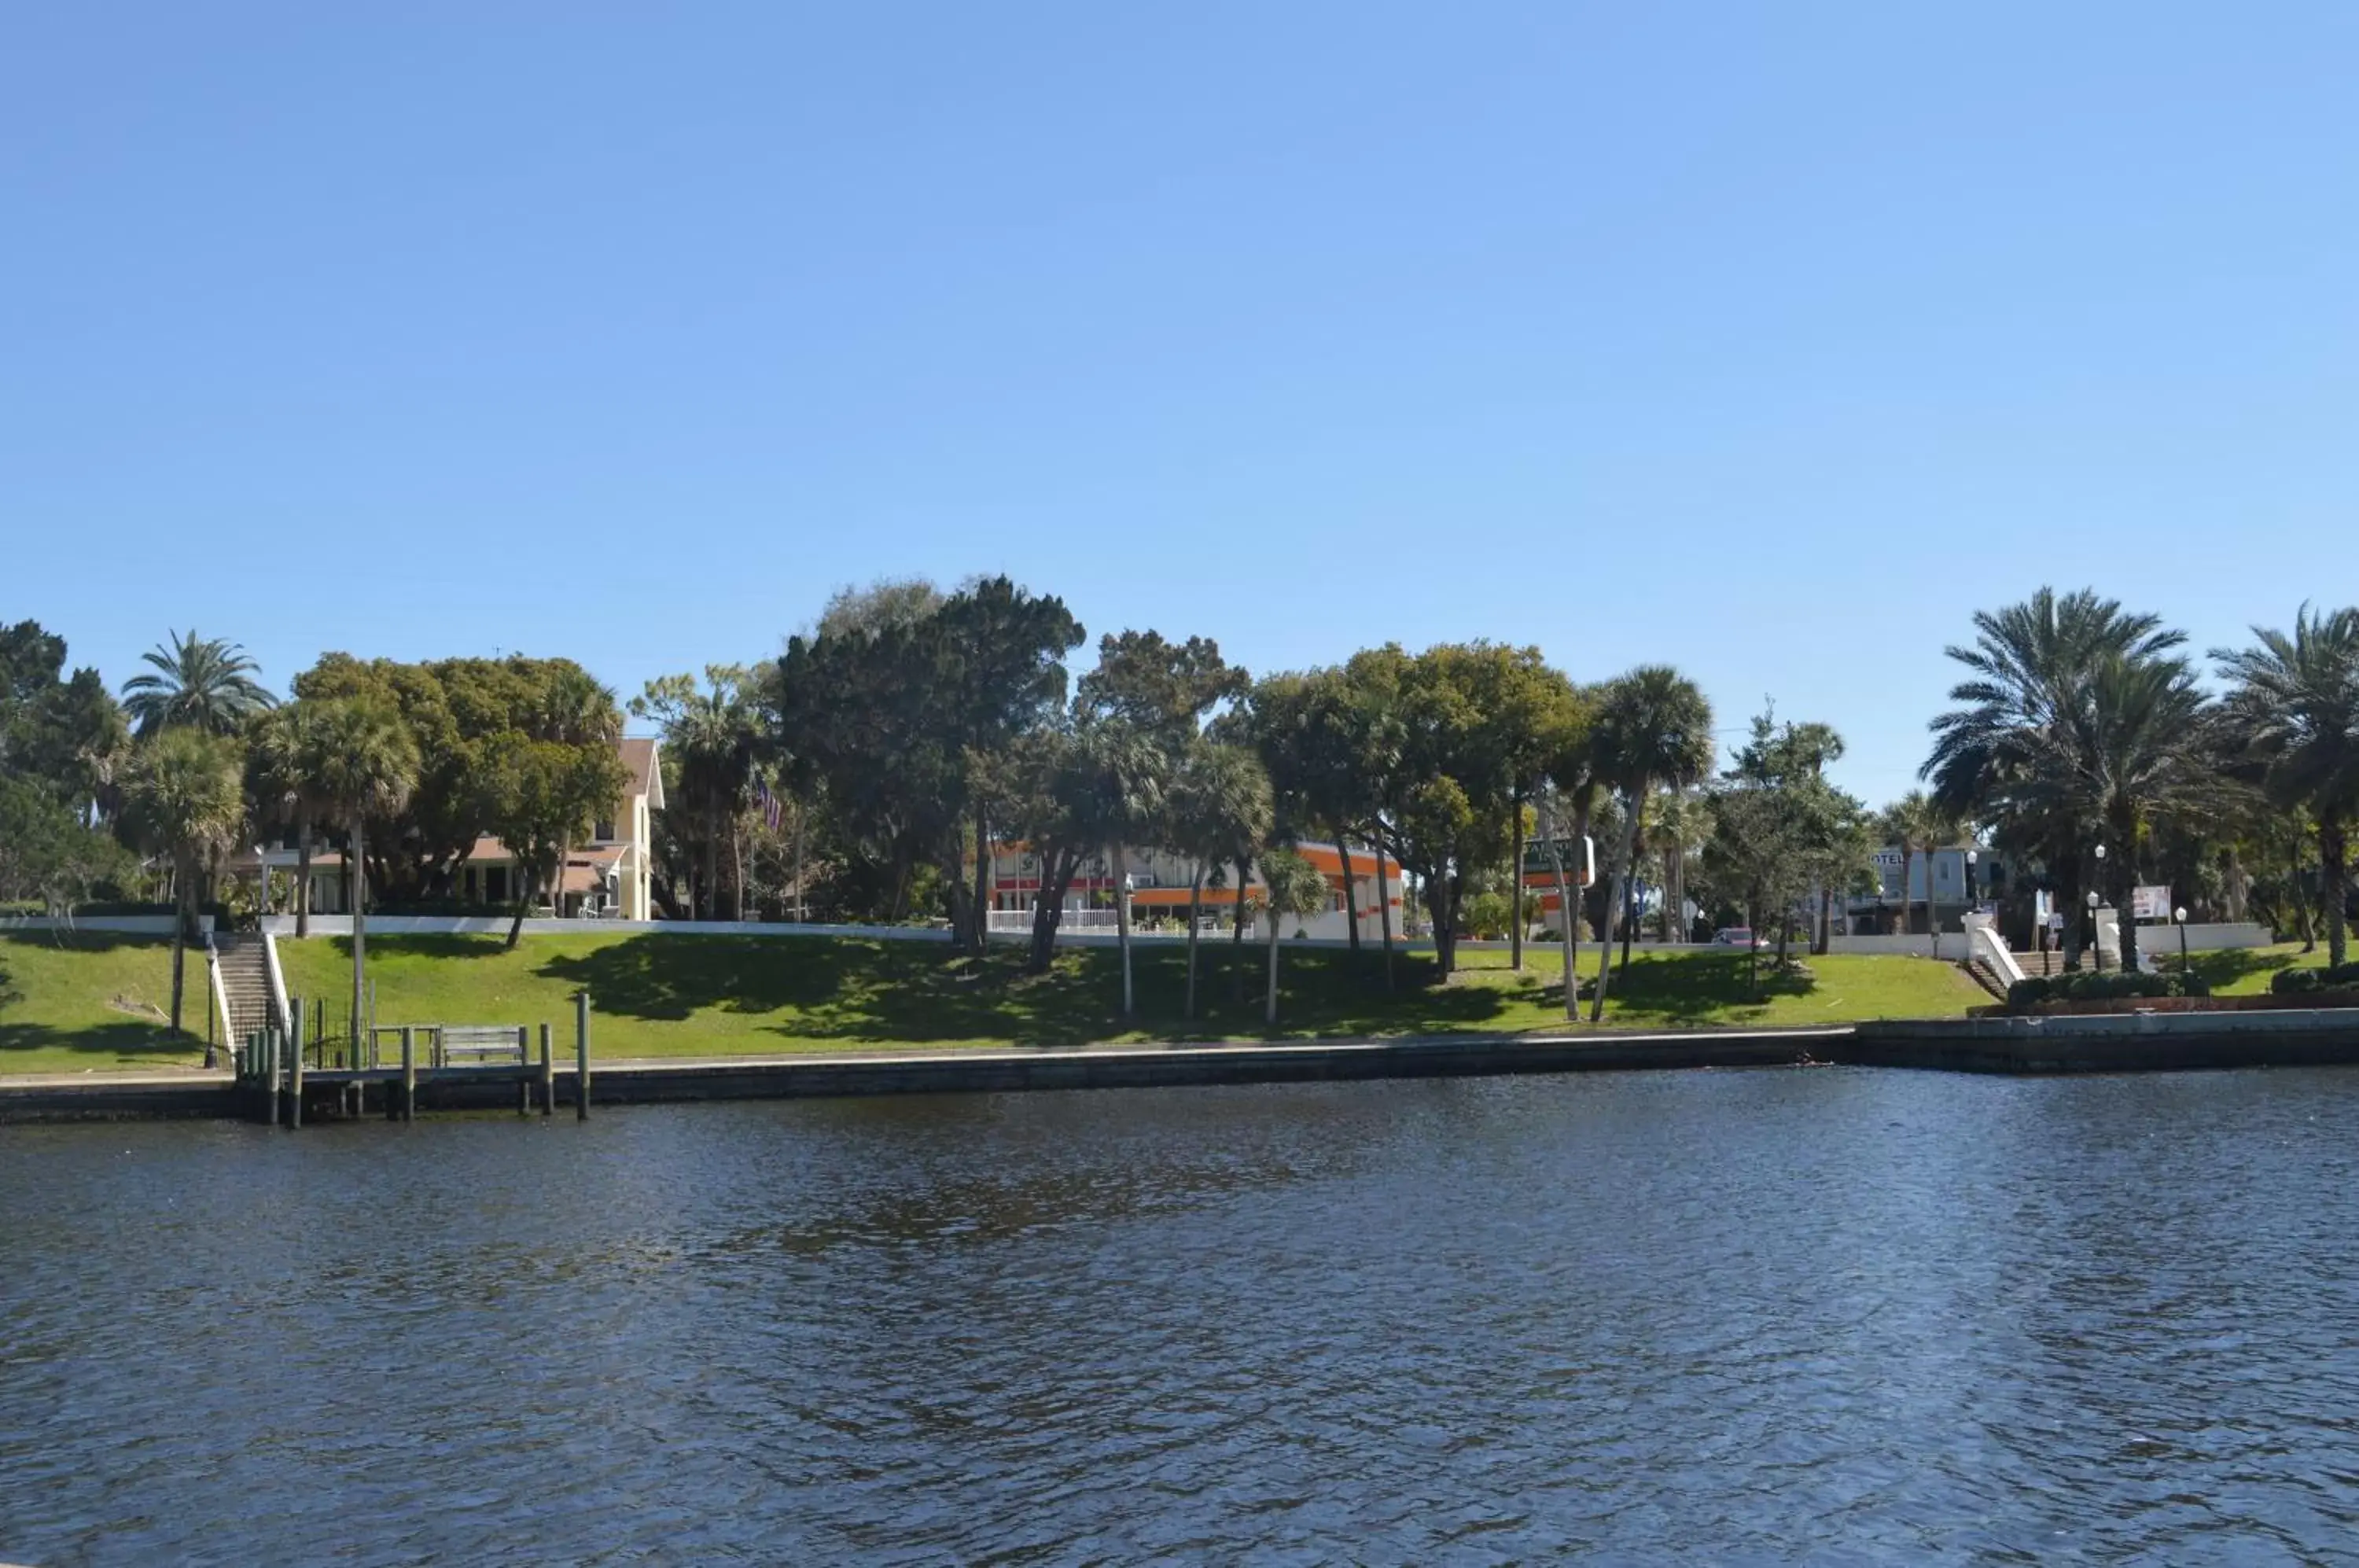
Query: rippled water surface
1825	1315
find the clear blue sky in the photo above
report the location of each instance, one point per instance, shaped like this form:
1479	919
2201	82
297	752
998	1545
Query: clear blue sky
1767	339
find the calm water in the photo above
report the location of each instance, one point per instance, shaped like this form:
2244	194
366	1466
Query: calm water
1829	1315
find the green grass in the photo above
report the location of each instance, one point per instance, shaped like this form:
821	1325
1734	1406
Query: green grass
693	995
2244	971
716	995
91	1000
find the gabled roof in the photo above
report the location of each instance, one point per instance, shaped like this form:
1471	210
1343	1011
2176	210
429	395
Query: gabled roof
645	770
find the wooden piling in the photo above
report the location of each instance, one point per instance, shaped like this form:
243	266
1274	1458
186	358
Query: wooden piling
409	1074
524	1070
581	1056
294	1096
548	1074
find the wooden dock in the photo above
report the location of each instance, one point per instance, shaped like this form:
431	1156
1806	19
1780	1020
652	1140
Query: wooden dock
279	1079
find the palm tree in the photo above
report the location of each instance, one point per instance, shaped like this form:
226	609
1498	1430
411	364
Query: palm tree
711	736
2023	710
1678	825
2293	715
2138	751
1290	885
1218	810
1653	726
186	800
362	763
203	683
1128	771
1920	821
283	752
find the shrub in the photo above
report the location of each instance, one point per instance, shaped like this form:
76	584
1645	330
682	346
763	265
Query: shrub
2027	995
2304	982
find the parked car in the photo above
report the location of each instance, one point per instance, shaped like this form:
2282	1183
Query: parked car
1737	936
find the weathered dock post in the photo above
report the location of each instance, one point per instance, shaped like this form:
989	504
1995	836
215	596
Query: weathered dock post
408	1073
295	1095
548	1074
581	1056
524	1070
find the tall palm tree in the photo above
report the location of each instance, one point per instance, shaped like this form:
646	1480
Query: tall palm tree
2293	715
1290	885
203	683
1218	810
1653	727
1678	825
186	800
1919	823
362	763
2024	708
1129	772
282	752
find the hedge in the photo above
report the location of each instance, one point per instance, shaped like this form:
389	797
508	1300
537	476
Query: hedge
2091	987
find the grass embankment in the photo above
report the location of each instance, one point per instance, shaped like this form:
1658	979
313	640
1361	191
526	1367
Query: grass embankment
2238	971
692	995
700	996
87	999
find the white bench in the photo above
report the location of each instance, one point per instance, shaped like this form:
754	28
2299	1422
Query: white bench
480	1045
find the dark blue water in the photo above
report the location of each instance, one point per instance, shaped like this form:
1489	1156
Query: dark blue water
1817	1315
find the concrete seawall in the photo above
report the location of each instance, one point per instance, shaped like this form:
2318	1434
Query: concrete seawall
2142	1042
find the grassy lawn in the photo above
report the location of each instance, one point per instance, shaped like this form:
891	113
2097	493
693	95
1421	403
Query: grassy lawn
92	1000
674	996
84	1004
2244	970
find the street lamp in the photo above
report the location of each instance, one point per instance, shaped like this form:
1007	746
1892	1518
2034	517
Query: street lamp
2095	946
2178	917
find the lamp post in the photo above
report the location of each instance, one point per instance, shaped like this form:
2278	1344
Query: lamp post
2096	948
2179	918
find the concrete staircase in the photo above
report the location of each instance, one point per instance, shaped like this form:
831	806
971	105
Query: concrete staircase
245	982
2034	965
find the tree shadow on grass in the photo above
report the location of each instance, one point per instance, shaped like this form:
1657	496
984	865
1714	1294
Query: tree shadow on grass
2224	966
142	1044
422	946
1698	988
674	977
920	993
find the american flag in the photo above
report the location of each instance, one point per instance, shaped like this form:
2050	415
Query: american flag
774	810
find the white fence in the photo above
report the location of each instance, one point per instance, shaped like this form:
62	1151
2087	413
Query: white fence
129	925
498	925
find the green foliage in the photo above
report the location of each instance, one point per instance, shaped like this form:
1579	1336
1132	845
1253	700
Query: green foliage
47	856
2090	985
892	721
2307	981
206	683
1486	917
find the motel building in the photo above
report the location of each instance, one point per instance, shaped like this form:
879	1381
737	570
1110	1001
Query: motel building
1159	882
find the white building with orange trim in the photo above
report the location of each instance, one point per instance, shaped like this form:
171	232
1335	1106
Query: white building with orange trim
1159	882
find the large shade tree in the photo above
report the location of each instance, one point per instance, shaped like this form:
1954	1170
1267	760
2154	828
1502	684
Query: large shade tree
206	683
2292	718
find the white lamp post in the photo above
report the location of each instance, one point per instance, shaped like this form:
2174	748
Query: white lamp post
2179	918
2095	946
